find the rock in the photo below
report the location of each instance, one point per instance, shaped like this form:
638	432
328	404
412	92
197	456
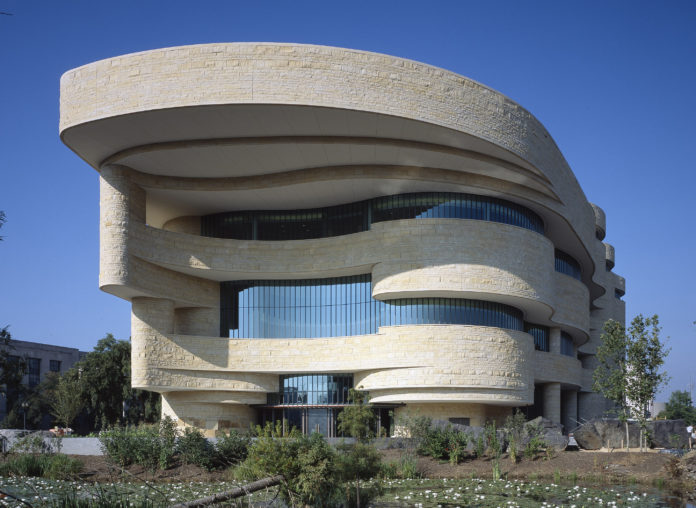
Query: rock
611	433
668	434
587	436
551	433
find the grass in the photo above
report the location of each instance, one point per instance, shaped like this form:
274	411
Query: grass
54	467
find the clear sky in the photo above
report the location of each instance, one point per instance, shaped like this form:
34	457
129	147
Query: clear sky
613	82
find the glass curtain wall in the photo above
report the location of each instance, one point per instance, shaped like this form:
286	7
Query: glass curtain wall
355	217
342	306
312	390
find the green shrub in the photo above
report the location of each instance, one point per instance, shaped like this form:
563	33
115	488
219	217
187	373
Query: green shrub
194	448
307	462
480	448
457	444
444	444
232	448
408	466
512	449
390	470
151	446
536	443
62	467
493	444
434	444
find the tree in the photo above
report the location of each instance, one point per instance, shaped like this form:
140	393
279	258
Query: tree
307	463
610	378
680	406
646	354
12	370
358	461
104	376
628	373
358	419
66	403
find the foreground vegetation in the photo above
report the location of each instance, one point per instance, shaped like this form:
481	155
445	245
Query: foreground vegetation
315	473
404	492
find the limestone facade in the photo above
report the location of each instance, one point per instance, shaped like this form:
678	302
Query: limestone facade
182	133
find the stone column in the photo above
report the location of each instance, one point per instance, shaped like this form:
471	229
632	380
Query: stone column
552	402
555	341
570	408
152	322
120	202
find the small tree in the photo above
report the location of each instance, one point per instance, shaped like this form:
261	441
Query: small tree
645	355
628	373
358	419
610	378
360	461
67	401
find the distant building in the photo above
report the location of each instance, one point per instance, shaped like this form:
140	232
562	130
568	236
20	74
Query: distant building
290	221
41	359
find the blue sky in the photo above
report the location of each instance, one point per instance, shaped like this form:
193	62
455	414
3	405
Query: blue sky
613	82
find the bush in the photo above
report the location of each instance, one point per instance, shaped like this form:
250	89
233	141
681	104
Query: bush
55	467
480	446
150	446
194	448
493	444
536	443
444	444
390	470
308	464
232	448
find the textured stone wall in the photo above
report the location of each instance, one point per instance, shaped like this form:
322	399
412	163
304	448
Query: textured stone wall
172	275
409	258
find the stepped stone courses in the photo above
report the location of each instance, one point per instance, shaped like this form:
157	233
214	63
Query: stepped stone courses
179	133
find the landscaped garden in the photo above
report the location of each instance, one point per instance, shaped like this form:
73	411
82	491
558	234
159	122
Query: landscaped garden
161	466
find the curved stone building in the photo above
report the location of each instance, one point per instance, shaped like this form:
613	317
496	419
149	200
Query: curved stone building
289	221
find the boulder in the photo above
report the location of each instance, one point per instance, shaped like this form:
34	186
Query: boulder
611	433
551	433
607	433
587	436
668	434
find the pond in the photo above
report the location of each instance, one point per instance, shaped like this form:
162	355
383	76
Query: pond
396	493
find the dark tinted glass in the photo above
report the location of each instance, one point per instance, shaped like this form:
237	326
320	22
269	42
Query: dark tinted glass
567	345
356	217
33	371
566	264
540	334
341	306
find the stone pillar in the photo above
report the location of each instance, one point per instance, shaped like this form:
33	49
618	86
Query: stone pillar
555	341
552	402
152	322
570	410
120	202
